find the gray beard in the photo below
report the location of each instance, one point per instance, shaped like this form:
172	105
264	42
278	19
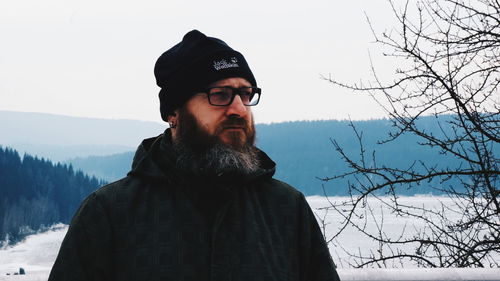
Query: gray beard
216	160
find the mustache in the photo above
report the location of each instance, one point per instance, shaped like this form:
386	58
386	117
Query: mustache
234	122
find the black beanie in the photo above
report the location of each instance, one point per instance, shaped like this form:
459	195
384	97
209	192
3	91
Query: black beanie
192	65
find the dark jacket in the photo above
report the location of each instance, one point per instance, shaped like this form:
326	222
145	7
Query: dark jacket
158	224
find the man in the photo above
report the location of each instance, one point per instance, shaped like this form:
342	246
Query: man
200	202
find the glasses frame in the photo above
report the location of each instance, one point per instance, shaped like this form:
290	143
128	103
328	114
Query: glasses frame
235	91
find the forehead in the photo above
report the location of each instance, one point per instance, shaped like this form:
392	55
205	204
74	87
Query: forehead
235	82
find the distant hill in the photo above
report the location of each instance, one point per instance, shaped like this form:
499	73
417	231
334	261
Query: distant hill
303	152
109	168
58	137
34	193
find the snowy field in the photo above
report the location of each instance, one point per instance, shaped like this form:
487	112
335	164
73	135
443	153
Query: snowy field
38	252
35	255
352	240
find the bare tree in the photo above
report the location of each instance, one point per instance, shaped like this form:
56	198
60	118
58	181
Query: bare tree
449	53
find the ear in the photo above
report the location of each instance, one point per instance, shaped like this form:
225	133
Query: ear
172	119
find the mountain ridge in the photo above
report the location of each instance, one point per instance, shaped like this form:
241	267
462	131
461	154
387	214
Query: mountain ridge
60	137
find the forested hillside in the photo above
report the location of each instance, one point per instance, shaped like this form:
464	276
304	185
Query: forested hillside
35	193
304	152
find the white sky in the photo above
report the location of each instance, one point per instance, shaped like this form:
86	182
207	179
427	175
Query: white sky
95	58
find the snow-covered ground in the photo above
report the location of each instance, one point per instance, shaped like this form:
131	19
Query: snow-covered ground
37	253
352	240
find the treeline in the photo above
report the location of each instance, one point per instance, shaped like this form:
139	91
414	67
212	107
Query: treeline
304	153
35	193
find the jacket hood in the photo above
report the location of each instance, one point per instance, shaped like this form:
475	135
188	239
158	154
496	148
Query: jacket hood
155	160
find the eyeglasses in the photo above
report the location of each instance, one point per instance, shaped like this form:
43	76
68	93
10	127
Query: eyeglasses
224	96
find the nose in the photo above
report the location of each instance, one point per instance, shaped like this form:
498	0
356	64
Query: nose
237	107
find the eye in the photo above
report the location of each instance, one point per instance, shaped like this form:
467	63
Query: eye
246	94
246	91
220	96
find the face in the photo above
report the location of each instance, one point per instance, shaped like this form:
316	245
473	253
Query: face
198	121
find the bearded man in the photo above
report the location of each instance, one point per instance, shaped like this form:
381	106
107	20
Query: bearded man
200	202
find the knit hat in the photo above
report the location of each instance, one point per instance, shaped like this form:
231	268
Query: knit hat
190	66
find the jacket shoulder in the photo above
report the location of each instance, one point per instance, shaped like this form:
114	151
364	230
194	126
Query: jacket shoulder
280	188
120	190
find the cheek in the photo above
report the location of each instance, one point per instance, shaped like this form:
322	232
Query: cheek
206	118
210	123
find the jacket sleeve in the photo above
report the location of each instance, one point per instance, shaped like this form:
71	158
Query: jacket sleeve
85	250
316	261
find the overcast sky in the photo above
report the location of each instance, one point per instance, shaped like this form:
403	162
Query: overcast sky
95	58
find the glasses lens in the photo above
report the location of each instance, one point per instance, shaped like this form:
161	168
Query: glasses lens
250	96
220	96
223	96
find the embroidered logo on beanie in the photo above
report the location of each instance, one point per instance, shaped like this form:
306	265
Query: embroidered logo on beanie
223	64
